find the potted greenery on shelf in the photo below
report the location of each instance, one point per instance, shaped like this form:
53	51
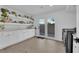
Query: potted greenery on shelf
25	16
8	11
19	15
4	15
28	17
4	12
14	13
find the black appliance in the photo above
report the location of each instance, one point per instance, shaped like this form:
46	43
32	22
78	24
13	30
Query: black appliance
67	36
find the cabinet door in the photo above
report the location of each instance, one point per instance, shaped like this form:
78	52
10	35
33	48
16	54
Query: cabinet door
1	38
75	47
4	41
12	37
15	35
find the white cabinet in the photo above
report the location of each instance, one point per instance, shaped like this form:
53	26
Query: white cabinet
75	47
8	38
4	39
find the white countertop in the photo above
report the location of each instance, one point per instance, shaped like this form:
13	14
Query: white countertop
13	30
74	36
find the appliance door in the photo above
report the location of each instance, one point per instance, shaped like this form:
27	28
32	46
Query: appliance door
69	42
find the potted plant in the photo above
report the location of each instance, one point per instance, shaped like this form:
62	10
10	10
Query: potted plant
25	16
19	15
32	18
14	13
8	11
4	14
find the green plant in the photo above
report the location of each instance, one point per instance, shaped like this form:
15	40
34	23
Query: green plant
14	13
28	17
31	18
8	11
19	15
4	12
4	15
25	16
3	19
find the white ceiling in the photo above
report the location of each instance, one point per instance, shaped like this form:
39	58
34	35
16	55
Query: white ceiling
37	9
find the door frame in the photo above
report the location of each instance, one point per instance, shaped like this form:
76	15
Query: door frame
46	30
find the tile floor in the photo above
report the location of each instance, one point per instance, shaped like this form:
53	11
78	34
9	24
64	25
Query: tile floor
36	45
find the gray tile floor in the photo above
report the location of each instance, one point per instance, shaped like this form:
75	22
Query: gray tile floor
36	45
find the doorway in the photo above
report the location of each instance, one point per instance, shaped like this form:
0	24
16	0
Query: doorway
46	27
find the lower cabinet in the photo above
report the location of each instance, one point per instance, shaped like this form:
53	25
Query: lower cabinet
8	38
75	47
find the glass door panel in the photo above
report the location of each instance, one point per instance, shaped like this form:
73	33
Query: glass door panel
42	26
51	27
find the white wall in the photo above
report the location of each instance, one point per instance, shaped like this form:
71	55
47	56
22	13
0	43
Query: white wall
63	19
77	21
1	6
